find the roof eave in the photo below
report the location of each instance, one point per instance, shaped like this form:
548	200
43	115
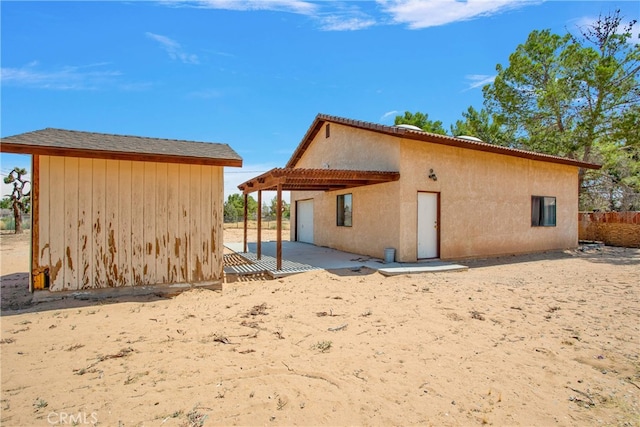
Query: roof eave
306	140
320	119
8	147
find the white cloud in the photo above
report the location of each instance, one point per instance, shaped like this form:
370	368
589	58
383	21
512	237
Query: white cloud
292	6
422	14
479	80
331	16
220	53
350	16
388	114
174	49
346	23
88	77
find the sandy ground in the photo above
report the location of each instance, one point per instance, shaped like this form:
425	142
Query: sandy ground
547	339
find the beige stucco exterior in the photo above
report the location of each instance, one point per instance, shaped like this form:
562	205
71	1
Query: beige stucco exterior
485	198
113	223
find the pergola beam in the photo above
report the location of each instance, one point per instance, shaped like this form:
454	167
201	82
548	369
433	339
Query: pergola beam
315	179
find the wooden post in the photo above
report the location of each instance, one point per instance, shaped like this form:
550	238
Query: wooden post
246	210
35	219
259	242
279	226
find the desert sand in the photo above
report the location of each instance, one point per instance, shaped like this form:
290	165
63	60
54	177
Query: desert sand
545	339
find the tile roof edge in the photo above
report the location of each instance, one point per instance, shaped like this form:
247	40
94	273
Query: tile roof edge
419	135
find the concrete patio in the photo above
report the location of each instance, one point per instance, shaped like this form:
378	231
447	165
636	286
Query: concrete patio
299	257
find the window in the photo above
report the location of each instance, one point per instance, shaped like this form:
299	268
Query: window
327	131
543	211
345	210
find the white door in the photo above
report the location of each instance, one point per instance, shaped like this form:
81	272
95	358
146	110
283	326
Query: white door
304	221
428	225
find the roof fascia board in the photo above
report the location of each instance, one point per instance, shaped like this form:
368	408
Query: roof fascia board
7	147
306	140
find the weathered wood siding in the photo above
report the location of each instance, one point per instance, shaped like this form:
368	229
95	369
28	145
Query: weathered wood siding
110	223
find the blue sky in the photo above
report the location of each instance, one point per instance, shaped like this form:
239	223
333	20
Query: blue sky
254	74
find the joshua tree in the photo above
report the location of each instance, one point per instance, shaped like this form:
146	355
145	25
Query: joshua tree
19	196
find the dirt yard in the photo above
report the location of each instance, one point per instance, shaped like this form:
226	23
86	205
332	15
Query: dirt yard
547	339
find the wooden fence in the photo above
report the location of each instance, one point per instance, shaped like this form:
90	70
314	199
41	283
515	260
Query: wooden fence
612	228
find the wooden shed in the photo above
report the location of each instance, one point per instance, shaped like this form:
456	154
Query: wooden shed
116	211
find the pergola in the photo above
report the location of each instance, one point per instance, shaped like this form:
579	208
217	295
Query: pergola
296	179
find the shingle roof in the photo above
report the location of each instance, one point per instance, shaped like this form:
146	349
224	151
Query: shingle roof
70	143
426	137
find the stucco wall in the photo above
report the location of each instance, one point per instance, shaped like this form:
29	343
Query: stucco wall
485	201
108	223
351	148
485	198
375	223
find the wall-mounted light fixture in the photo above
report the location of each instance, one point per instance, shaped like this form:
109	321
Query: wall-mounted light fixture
432	175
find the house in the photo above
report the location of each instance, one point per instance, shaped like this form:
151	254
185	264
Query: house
120	211
365	188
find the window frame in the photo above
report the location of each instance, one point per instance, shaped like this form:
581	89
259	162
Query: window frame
342	218
544	211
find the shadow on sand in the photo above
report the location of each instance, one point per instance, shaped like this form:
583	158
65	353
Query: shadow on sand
602	254
15	298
